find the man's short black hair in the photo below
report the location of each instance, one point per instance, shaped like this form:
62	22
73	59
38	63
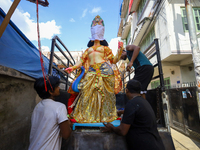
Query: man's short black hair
134	86
124	57
39	86
91	43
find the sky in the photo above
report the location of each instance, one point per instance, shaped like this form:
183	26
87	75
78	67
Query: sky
69	20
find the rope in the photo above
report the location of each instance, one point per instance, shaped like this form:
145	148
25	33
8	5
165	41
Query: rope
41	59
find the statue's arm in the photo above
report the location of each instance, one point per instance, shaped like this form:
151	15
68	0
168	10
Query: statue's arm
79	63
113	59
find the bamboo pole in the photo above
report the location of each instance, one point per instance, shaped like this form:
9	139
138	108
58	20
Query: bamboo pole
8	16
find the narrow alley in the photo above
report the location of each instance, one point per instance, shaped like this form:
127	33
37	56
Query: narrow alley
182	142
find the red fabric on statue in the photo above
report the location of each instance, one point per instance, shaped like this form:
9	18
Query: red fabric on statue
70	102
73	121
119	118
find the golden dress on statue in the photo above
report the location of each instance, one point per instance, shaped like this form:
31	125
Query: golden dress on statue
97	101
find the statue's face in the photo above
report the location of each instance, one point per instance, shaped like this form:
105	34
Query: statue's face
97	29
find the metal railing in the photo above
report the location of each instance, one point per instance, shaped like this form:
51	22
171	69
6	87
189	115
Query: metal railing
70	61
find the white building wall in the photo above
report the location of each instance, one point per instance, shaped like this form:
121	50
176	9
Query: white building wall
173	72
162	33
179	75
188	74
179	40
174	40
170	31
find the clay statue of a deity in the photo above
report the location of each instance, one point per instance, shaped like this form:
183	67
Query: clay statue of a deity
96	100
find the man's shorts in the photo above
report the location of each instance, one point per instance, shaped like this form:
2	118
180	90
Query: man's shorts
144	74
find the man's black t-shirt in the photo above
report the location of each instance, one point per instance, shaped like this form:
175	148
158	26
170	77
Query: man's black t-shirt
143	133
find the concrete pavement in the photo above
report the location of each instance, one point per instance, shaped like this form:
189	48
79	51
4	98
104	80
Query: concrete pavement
182	142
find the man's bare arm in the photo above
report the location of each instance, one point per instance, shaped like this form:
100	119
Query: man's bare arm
65	129
136	50
122	129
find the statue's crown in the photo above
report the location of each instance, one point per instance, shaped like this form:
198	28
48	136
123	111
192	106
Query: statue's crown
97	21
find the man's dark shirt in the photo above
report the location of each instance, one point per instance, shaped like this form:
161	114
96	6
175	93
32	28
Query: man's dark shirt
143	133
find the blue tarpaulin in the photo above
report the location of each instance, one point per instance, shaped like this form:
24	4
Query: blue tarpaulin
18	52
120	11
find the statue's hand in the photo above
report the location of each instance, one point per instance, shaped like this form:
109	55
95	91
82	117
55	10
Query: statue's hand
120	45
69	70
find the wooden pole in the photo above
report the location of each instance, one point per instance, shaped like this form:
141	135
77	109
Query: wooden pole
8	16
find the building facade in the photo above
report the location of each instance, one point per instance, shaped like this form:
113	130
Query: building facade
144	20
76	55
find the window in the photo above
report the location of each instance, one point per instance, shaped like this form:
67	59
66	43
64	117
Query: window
148	40
167	83
197	18
196	14
140	7
155	84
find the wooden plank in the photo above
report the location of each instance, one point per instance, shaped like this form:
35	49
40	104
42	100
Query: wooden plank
8	16
44	3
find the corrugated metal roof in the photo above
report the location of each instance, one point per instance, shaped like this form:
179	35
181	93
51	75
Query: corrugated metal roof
119	34
126	30
140	31
124	8
135	5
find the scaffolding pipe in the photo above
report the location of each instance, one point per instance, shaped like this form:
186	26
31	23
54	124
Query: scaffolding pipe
193	42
